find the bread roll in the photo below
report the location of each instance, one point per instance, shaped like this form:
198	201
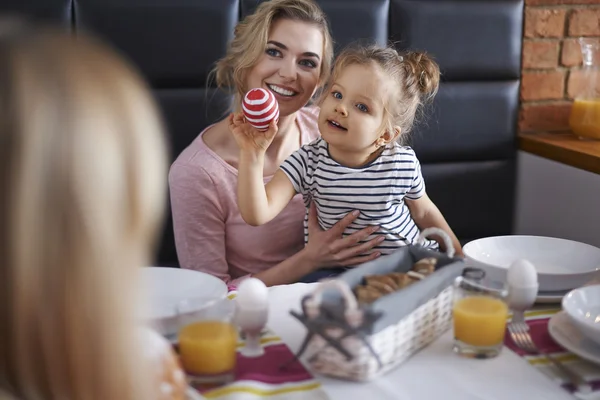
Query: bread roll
168	375
425	266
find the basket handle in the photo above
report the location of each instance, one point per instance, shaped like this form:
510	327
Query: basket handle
352	313
440	232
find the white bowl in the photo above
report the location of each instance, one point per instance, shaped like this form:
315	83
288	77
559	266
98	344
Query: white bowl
583	308
561	264
165	288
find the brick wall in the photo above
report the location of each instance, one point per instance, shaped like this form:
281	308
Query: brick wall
551	59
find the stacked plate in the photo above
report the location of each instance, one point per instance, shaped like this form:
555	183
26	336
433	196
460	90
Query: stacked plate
562	265
577	327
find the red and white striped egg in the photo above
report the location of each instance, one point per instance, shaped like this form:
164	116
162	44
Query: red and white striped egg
260	108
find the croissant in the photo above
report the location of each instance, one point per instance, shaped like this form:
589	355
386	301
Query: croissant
387	282
367	294
402	279
384	288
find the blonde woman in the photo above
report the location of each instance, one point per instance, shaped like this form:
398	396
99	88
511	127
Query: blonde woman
81	193
285	47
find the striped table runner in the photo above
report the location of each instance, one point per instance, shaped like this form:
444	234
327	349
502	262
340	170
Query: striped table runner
262	377
537	319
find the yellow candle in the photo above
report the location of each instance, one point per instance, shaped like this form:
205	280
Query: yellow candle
480	320
208	347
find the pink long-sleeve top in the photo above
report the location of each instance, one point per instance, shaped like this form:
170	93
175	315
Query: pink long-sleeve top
210	234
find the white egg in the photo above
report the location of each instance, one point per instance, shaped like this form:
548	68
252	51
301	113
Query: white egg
252	292
522	273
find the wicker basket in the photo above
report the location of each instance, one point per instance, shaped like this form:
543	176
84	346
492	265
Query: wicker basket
360	343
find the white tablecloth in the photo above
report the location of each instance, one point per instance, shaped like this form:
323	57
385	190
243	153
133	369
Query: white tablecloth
433	373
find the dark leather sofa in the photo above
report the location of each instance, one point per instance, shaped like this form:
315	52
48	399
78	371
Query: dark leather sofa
467	143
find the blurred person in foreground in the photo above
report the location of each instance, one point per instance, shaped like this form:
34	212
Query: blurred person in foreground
82	161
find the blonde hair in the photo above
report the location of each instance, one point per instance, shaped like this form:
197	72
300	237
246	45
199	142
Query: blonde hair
415	75
82	156
251	35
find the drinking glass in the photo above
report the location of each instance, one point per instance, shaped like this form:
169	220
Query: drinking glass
207	340
479	316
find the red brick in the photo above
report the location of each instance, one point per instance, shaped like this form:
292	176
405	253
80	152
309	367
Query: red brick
543	85
578	81
540	54
544	22
584	22
559	2
544	117
571	53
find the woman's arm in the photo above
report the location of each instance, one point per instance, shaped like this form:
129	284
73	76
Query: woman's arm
324	249
198	221
426	214
199	226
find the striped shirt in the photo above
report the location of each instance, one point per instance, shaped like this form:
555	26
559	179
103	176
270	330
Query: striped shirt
377	190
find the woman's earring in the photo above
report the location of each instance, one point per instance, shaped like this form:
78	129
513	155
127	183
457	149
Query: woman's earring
380	142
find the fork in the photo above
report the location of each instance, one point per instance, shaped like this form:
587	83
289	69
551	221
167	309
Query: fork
519	333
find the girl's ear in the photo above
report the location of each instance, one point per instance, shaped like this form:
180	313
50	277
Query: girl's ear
396	132
389	135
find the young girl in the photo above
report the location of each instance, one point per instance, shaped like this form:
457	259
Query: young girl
369	104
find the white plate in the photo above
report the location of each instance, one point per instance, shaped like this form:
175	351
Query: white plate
561	264
192	394
582	305
551	297
166	287
565	334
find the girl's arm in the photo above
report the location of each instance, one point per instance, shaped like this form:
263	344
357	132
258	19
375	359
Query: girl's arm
260	203
426	214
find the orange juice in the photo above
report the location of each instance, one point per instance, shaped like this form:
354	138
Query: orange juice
208	347
585	118
480	320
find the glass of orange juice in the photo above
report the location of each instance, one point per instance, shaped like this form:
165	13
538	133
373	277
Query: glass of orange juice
479	316
207	340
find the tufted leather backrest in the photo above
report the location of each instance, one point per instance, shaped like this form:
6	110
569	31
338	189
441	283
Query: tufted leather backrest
466	143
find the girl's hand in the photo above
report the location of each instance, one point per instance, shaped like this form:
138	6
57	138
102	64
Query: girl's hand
247	137
329	249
